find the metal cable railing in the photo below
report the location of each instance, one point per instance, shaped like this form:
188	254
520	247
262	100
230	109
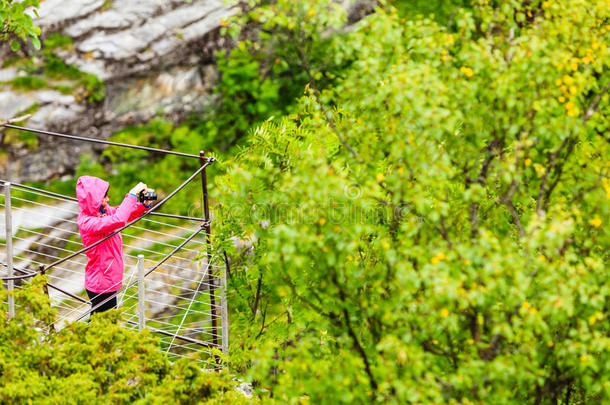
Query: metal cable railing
179	304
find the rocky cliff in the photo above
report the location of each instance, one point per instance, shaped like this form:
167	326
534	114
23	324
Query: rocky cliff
155	58
152	57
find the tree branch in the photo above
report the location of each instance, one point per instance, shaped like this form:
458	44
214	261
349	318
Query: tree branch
258	294
594	106
352	334
508	201
545	177
316	93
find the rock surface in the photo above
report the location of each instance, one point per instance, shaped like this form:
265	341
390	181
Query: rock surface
155	57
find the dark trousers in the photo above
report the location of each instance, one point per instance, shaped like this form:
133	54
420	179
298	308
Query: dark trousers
96	298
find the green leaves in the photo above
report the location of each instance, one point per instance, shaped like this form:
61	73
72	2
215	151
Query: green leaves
16	22
100	361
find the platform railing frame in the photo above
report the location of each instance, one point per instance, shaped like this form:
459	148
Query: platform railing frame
205	221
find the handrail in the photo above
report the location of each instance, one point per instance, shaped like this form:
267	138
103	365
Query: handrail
74	199
94	140
26	275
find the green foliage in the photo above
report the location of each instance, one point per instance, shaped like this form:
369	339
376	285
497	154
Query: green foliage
57	40
17	137
432	227
46	68
28	83
428	223
96	362
86	85
17	24
269	66
94	88
56	68
443	11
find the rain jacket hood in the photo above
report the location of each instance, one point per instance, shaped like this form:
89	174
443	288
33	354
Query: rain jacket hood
90	192
104	270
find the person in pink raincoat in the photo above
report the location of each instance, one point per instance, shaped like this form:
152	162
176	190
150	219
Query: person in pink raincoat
96	220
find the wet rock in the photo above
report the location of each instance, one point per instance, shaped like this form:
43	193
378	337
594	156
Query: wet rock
11	103
55	115
8	74
134	39
56	13
246	389
53	97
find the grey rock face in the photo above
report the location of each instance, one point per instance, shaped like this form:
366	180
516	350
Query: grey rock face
8	74
132	37
154	56
11	104
56	13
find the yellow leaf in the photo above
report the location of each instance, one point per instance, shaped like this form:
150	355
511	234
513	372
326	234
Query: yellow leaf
467	71
595	222
606	186
438	258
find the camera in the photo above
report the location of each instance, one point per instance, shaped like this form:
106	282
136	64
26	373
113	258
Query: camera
149	196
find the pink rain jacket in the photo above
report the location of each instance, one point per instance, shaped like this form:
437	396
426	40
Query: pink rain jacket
104	271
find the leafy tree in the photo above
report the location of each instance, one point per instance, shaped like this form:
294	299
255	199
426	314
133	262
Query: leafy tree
432	227
16	23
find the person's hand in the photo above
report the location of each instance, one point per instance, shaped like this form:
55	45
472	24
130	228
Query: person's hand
149	190
138	189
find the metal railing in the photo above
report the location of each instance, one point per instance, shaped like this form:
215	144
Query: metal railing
177	282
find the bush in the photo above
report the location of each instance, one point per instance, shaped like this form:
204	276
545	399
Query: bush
101	361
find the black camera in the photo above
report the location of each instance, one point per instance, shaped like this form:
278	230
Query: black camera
149	196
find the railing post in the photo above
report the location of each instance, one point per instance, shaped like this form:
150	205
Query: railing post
211	277
42	271
224	314
141	293
9	247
